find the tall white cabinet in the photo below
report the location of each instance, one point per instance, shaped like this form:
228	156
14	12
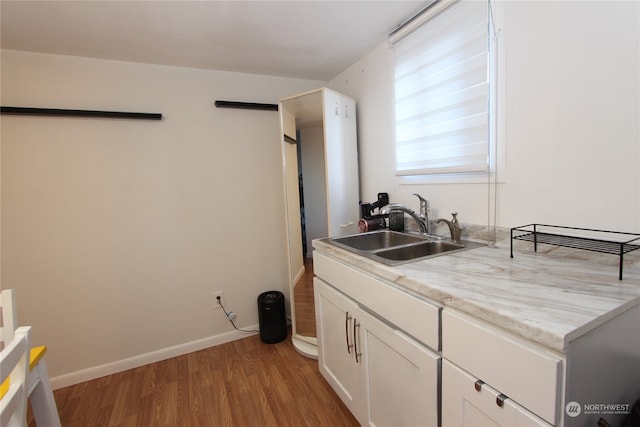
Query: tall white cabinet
319	150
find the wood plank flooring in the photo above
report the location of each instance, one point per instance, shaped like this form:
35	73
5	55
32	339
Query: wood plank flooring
304	301
244	383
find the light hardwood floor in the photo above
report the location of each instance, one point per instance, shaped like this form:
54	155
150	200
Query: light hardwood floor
243	383
304	301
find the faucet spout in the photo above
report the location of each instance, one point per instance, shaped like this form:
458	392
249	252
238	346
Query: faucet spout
396	206
454	226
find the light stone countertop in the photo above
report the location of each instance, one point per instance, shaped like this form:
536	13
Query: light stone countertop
550	297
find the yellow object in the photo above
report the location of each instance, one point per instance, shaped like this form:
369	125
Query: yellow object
4	387
35	355
14	362
39	390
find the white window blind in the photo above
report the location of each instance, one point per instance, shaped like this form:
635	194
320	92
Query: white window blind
442	89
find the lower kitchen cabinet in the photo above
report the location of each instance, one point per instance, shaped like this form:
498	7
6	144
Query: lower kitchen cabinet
469	402
401	377
385	351
336	352
526	373
385	377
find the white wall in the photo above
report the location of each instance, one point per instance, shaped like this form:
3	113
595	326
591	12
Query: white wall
116	232
572	120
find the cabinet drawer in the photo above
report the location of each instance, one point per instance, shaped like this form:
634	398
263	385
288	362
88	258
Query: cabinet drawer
414	316
524	372
468	403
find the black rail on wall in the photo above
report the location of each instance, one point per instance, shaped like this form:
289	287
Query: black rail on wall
246	105
30	111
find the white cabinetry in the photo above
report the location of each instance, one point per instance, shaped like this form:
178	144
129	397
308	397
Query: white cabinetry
401	376
469	402
336	359
385	377
500	369
488	375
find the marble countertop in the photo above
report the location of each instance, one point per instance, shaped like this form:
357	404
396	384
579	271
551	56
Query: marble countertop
550	297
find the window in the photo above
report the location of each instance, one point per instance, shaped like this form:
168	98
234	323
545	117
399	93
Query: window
444	101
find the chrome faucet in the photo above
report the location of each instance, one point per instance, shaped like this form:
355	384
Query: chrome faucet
424	212
396	206
454	226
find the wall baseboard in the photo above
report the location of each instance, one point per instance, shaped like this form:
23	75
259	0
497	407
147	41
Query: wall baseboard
144	359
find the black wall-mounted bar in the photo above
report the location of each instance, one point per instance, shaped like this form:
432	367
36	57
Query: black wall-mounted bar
246	105
28	111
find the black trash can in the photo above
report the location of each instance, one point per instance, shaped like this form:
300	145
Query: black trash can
271	316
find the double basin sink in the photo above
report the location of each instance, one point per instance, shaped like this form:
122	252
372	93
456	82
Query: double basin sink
394	248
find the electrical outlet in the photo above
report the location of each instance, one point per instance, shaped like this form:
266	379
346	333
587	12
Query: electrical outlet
218	296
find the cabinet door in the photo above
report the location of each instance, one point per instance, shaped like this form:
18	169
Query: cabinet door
335	326
469	403
401	377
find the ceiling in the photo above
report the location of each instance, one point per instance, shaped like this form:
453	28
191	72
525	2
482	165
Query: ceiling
303	39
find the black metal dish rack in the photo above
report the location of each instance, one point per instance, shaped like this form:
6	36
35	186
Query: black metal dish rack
603	241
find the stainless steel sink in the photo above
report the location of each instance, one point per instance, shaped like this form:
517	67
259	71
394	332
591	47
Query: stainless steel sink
420	250
377	240
394	248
